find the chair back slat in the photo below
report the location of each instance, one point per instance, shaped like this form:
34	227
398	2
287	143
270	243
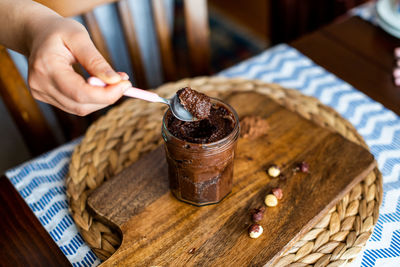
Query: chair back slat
23	108
197	32
96	35
132	43
164	39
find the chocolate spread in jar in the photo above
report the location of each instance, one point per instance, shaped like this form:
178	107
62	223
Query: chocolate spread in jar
216	126
200	154
198	104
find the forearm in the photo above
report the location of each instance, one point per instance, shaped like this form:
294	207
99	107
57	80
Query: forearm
19	21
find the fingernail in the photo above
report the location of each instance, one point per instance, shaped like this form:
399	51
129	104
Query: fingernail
112	74
112	77
124	76
94	81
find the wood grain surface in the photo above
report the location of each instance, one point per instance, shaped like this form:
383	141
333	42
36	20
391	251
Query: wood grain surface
360	54
158	229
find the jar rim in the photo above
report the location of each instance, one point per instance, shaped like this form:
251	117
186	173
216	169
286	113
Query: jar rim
231	136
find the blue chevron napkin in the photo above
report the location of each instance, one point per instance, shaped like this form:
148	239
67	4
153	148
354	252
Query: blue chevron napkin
41	182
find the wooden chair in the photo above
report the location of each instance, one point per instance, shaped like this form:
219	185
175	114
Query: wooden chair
24	109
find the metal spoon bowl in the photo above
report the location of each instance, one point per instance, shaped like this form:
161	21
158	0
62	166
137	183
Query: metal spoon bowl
178	110
174	104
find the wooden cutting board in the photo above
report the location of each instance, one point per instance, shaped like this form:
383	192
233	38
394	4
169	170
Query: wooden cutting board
159	230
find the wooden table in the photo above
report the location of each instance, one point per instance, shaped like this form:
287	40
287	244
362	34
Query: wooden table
353	49
358	53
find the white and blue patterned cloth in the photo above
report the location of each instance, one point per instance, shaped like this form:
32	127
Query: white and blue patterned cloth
41	182
367	12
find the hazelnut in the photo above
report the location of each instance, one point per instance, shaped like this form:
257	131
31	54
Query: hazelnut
258	214
301	167
304	167
274	171
271	200
255	230
278	193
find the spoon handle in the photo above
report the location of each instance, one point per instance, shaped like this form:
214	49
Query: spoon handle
143	94
132	91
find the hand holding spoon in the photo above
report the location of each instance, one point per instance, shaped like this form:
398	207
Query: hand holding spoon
176	107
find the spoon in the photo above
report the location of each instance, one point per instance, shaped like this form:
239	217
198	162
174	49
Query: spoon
175	105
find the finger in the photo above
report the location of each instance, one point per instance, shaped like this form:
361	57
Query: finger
75	87
397	81
90	58
124	76
66	104
42	97
94	81
396	72
397	52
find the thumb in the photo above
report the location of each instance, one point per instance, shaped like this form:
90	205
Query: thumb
90	58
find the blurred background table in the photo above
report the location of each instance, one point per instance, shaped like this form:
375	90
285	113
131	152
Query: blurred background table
358	53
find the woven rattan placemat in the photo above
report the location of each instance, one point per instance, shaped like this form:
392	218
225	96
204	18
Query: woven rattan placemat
119	138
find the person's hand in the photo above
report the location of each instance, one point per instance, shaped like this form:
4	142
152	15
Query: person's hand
56	43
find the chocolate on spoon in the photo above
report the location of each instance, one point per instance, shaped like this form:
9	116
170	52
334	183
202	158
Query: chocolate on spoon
174	103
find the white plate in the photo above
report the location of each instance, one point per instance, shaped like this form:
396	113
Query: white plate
387	28
387	11
388	17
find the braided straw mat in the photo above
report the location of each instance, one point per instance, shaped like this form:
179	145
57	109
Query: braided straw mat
132	129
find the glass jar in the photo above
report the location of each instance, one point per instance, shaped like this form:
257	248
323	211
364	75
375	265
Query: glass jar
201	174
